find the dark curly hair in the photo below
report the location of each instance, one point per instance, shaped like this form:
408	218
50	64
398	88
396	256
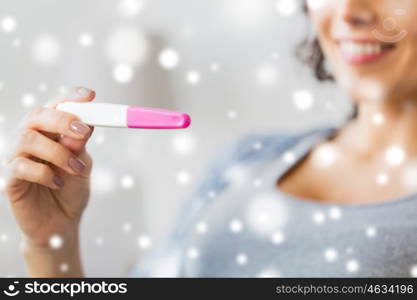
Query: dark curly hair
310	53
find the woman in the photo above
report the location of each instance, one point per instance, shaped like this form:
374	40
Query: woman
330	202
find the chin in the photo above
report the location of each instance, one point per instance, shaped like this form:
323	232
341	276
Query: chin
364	86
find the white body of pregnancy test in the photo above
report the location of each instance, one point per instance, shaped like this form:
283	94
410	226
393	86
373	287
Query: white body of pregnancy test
124	116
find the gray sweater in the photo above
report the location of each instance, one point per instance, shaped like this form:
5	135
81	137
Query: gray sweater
239	224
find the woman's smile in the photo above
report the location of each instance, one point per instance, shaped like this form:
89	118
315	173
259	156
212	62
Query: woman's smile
362	51
370	40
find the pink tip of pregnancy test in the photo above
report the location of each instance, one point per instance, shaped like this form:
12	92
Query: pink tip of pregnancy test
152	118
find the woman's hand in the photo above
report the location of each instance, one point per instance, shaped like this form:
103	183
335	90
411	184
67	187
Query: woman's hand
48	183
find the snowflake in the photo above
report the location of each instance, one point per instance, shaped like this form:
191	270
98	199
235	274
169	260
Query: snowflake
99	241
188	30
144	242
245	13
64	267
99	138
257	183
56	242
123	73
16	43
102	180
352	266
382	179
328	105
257	146
409	175
241	259
211	194
303	100
232	114
28	100
168	59
127	46
266	75
214	67
183	143
4	238
330	254
275	56
266	213
413	271
86	39
2	183
335	213
193	77
325	156
42	87
127	182
394	155
237	175
8	24
316	4
127	227
286	7
46	49
129	8
269	273
183	177
236	226
201	227
318	217
193	253
277	238
370	231
289	157
378	119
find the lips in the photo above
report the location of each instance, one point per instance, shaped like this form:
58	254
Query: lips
363	52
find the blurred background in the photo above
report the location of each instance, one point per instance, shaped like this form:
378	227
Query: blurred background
230	64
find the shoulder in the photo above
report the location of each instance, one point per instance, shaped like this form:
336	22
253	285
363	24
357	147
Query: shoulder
263	145
251	148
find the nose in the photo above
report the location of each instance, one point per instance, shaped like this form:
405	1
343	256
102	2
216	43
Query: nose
358	13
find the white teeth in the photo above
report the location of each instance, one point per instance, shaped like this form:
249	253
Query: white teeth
369	49
357	49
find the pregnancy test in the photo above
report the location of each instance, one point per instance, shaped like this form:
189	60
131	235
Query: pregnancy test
124	116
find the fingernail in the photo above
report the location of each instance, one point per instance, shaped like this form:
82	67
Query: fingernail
82	91
58	181
76	164
80	128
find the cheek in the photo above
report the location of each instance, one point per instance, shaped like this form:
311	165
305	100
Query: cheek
409	55
321	22
322	19
412	41
408	45
399	15
409	25
323	29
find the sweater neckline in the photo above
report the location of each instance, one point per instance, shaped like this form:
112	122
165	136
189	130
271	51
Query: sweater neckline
300	149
